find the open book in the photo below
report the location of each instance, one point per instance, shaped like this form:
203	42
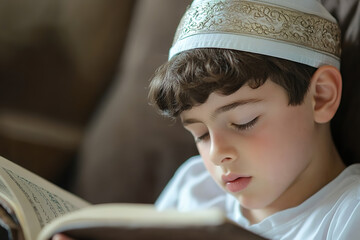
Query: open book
35	209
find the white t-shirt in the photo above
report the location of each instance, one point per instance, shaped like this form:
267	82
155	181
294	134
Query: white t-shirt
331	213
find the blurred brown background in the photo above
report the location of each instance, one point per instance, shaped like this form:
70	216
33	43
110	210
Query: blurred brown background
57	58
73	97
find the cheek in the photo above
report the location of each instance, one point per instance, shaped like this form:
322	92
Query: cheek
204	153
209	165
284	147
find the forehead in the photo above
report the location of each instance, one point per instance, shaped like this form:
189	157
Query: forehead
245	96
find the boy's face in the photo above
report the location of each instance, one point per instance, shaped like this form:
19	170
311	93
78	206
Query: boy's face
256	146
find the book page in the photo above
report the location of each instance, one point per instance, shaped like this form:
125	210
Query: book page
5	192
39	201
7	199
11	228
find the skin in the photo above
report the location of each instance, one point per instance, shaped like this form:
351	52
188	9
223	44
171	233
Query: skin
286	150
61	237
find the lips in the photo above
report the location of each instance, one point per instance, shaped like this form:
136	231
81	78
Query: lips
235	182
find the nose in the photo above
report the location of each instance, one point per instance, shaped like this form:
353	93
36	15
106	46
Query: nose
222	150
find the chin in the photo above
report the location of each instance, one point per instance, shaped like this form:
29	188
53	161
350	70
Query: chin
253	202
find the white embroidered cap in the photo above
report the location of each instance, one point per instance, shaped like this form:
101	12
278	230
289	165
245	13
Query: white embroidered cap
298	30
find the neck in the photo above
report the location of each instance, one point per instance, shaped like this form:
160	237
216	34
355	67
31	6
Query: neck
325	166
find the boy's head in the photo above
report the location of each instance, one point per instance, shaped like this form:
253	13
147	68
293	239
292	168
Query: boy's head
251	81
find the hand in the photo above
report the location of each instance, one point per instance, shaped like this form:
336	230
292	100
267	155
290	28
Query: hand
61	237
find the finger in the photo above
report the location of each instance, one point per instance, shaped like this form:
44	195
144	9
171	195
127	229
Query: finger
61	237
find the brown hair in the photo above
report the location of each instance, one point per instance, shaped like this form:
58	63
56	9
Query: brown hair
190	77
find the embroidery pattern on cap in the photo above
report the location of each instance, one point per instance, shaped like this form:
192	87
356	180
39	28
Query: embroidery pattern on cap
261	20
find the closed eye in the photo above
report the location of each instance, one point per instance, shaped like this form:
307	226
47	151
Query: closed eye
246	126
202	137
239	127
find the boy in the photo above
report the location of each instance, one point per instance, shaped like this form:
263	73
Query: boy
257	83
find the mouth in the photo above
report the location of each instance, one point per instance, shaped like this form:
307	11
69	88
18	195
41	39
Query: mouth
236	183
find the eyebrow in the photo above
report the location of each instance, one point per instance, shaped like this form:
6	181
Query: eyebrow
223	109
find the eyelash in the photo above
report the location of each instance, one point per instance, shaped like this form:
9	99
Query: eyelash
202	137
239	127
246	126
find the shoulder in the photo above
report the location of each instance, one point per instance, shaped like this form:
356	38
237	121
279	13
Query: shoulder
190	188
347	208
192	166
332	213
191	170
345	224
346	192
345	187
349	184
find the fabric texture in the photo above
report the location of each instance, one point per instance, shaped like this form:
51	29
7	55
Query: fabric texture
331	213
300	31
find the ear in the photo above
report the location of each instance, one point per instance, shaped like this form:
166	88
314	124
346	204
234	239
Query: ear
326	86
